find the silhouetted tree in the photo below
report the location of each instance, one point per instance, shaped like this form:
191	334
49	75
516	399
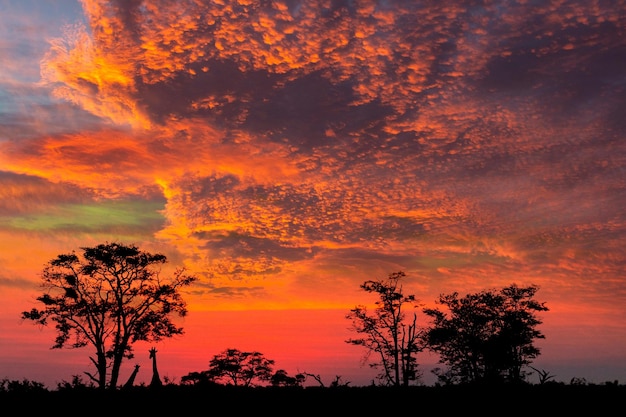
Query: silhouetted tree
282	379
544	376
76	384
110	298
488	336
316	377
197	378
385	332
338	382
24	386
240	368
578	381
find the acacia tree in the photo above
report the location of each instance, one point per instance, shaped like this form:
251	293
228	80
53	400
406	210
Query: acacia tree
110	298
240	368
281	378
385	332
487	336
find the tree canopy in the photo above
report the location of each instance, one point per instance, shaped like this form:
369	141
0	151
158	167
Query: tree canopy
486	336
110	298
394	341
238	368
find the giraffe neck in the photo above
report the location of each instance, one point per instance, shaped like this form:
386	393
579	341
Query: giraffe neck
131	379
156	380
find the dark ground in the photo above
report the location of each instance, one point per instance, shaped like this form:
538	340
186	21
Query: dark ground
528	400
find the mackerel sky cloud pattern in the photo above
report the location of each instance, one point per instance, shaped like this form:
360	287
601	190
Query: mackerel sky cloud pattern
285	143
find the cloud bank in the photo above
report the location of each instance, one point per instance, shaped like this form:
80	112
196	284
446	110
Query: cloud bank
290	146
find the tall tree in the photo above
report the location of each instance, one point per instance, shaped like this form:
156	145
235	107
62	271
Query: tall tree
487	336
386	333
110	298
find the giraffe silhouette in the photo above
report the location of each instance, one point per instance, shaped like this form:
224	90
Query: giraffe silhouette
131	379
156	380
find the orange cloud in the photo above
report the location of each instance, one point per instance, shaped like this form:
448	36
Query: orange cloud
284	134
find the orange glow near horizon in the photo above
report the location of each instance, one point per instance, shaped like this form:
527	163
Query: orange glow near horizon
285	152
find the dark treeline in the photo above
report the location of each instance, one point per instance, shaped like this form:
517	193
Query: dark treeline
113	296
551	399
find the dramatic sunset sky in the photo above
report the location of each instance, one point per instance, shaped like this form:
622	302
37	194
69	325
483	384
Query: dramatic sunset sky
286	151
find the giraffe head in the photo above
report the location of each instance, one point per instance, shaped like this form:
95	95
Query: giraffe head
153	352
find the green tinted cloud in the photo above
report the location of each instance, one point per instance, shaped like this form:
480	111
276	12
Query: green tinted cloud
108	214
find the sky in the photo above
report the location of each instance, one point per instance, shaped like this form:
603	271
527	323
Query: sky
286	151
